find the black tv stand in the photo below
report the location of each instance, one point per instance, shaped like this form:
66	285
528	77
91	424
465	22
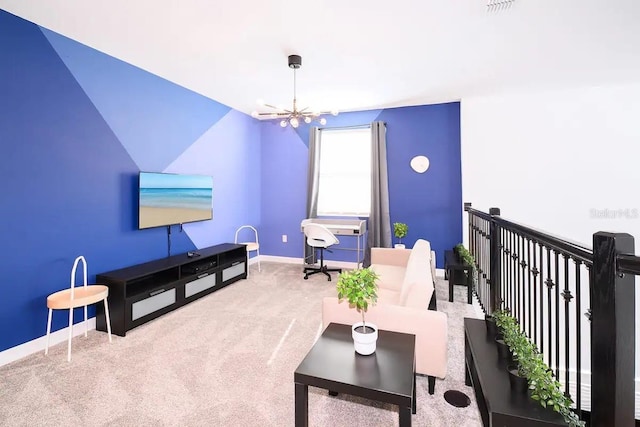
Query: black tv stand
143	292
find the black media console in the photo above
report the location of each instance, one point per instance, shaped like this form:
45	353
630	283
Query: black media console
142	292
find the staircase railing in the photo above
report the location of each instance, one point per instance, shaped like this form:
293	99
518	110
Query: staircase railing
577	304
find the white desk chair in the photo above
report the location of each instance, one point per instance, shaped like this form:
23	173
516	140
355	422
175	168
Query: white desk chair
72	298
319	237
251	245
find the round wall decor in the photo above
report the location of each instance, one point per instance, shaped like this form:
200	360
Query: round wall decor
420	164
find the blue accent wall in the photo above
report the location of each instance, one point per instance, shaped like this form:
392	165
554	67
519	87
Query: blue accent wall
429	203
76	127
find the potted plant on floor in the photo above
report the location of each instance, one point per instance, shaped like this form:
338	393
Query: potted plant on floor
359	288
400	230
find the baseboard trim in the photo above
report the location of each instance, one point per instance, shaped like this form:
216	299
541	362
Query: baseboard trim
293	260
39	344
280	259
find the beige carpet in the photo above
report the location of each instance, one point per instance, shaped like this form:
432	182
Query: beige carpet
224	360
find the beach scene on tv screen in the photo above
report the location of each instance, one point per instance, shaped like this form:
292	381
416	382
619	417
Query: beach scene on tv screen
174	199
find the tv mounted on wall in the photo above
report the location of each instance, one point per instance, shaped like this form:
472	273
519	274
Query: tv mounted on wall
167	199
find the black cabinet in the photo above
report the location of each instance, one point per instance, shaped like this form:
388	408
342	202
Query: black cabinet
142	292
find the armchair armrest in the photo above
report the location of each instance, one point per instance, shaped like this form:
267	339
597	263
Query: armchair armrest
429	327
390	256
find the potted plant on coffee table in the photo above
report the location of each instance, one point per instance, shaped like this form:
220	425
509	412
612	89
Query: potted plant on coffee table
359	288
400	230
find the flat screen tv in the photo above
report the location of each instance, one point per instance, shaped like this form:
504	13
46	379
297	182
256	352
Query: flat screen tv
167	199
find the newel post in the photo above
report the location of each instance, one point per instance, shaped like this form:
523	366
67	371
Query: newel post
612	333
470	236
495	267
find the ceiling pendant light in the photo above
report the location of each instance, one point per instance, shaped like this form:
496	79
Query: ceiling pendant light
294	116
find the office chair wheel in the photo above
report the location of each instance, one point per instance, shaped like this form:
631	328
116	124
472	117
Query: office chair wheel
329	279
306	277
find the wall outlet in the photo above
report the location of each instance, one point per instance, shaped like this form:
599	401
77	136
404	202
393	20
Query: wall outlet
284	238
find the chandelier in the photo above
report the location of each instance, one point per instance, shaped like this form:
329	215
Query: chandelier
294	116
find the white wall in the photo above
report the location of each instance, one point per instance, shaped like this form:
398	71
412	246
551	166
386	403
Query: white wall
548	159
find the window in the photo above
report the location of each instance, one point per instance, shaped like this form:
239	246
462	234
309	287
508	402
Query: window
345	172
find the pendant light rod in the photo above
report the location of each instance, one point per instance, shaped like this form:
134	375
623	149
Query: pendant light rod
295	116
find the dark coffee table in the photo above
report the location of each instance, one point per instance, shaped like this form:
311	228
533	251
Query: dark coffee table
388	375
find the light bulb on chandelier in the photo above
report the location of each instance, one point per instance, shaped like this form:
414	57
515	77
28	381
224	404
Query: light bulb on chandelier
294	116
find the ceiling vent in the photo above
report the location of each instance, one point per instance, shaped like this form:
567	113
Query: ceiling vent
498	5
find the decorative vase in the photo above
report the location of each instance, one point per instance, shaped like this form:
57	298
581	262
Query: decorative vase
399	246
518	383
492	328
364	342
503	349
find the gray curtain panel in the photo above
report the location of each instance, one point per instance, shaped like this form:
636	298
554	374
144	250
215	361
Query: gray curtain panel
313	180
379	224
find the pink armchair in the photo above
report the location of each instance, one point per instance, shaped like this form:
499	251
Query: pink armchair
405	289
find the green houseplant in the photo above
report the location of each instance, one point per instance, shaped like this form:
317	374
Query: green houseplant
400	230
360	289
542	384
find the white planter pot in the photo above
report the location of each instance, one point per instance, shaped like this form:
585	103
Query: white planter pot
399	246
364	344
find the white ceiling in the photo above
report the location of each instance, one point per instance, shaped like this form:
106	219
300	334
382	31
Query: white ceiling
356	54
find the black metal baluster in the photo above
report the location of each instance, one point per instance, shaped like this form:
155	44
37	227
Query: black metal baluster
503	288
487	263
476	261
578	343
557	265
478	265
516	266
527	268
512	305
549	283
534	272
566	294
487	267
507	266
541	299
479	262
514	273
523	293
505	276
474	251
470	231
481	268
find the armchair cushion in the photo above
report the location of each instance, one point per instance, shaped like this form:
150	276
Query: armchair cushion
391	276
390	256
429	327
407	271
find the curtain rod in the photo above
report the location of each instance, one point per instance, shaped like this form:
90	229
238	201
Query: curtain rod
350	127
